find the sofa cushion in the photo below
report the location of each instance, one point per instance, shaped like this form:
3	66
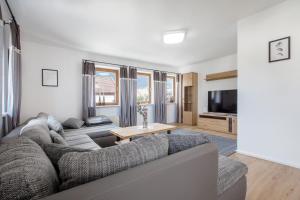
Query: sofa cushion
229	172
54	124
37	130
56	151
73	123
57	138
43	115
98	120
180	142
25	171
79	168
15	133
80	141
93	131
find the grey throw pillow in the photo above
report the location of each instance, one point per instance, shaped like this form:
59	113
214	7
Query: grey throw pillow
73	123
79	168
54	124
98	120
57	138
25	171
180	142
56	151
37	130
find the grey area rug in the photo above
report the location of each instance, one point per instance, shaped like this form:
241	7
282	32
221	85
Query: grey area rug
225	146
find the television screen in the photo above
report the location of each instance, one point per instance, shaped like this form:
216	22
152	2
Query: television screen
222	101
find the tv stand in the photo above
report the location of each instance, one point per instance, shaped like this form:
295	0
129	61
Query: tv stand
219	122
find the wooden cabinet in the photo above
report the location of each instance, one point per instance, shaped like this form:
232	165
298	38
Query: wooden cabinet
190	98
218	122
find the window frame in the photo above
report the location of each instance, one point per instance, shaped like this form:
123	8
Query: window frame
150	86
116	71
174	87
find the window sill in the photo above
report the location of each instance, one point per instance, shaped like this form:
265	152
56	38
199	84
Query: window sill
173	103
107	106
146	104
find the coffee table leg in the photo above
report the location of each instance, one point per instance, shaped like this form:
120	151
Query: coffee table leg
168	131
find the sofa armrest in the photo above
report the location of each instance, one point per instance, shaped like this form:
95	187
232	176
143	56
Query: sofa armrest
189	175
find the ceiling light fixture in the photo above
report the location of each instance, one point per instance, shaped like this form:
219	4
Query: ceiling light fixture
174	37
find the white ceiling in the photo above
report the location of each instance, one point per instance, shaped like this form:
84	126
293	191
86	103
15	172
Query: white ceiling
134	28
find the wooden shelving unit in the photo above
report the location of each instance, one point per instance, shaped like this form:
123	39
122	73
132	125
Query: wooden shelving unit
222	75
190	98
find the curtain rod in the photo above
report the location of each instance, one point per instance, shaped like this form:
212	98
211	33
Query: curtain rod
11	13
119	65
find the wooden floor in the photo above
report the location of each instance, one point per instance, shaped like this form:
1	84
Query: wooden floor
266	180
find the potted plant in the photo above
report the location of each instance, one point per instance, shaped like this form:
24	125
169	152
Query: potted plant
143	110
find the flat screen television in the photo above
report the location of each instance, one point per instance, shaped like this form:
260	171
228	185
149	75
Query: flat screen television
222	101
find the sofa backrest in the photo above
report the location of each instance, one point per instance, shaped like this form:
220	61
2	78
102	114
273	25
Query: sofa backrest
190	174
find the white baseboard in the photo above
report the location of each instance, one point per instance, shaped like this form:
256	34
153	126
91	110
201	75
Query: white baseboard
268	159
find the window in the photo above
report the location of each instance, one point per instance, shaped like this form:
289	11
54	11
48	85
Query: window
144	88
107	86
170	89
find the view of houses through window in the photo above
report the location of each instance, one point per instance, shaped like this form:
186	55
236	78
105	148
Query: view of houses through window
107	87
170	89
144	88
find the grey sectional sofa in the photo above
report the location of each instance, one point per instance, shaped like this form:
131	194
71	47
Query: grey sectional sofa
187	175
198	173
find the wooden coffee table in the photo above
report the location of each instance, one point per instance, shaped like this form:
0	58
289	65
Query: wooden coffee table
129	132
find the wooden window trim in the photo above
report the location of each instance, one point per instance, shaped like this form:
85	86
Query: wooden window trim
150	86
174	82
99	69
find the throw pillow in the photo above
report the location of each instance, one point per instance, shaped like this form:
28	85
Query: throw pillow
73	123
26	171
38	131
56	151
57	138
54	124
182	142
99	120
80	168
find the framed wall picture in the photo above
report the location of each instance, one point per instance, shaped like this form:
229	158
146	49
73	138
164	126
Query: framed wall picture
49	77
280	49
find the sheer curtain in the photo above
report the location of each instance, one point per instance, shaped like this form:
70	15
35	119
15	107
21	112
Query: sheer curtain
160	81
10	76
88	90
1	69
128	112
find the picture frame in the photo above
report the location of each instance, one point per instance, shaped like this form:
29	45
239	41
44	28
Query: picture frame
280	49
49	78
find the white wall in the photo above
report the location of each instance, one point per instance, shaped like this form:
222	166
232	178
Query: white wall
212	66
65	101
269	93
